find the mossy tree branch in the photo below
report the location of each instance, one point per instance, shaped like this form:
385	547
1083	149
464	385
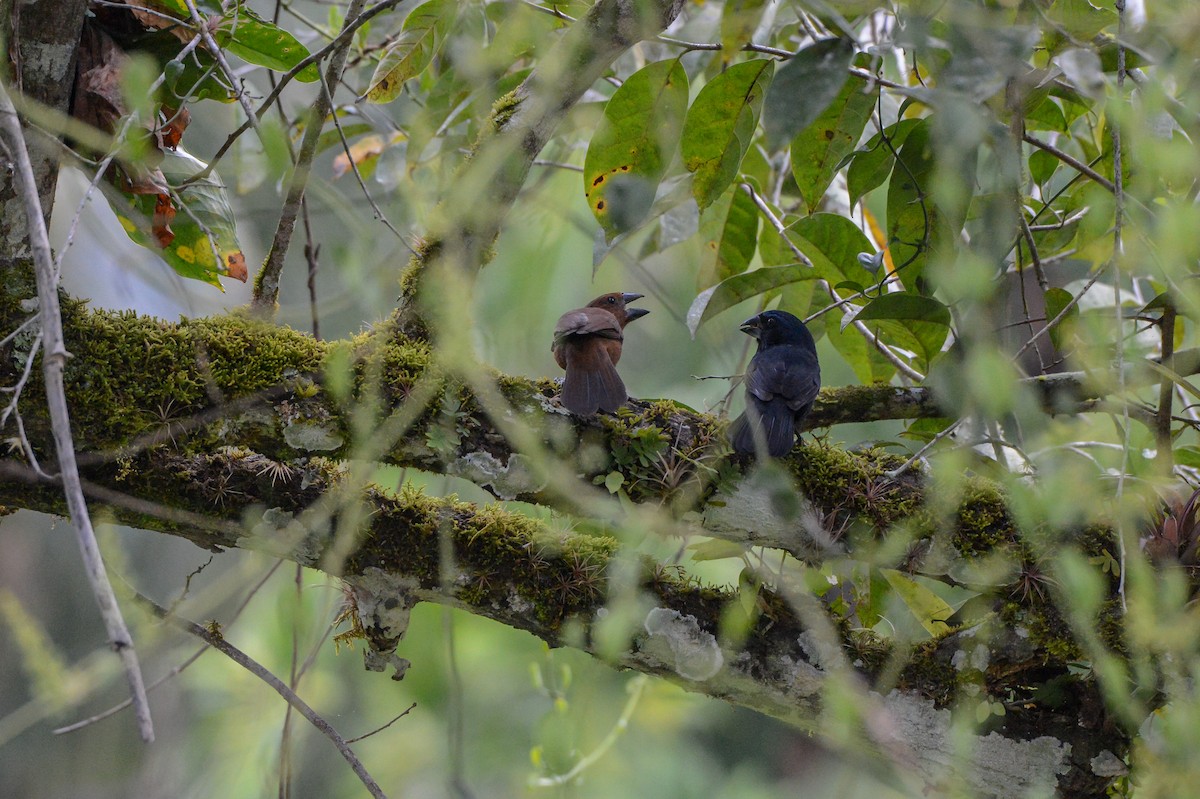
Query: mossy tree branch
136	383
553	584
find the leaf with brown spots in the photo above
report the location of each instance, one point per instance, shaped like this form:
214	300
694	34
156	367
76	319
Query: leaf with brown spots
632	146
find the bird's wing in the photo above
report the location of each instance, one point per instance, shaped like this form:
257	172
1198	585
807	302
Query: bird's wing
587	322
787	372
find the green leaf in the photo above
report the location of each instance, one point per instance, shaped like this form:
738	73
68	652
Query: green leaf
926	429
1187	456
720	126
257	41
833	243
872	164
205	243
739	20
910	210
1056	300
742	287
1042	166
1046	115
1080	18
728	237
613	482
420	38
716	549
868	364
633	145
804	87
818	150
902	305
927	607
915	322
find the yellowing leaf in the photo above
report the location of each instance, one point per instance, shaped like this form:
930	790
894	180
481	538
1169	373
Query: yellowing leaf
420	38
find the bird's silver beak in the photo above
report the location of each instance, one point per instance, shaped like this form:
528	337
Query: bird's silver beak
751	327
633	313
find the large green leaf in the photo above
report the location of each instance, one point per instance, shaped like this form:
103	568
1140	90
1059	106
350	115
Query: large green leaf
420	38
720	125
1057	299
742	287
205	243
929	609
804	87
257	41
917	323
818	150
911	216
728	237
632	146
739	20
868	363
833	243
872	164
1081	19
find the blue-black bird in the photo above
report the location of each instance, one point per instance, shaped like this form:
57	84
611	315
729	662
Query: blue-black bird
587	343
782	381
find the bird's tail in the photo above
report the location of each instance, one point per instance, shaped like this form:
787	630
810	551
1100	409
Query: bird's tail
764	424
592	385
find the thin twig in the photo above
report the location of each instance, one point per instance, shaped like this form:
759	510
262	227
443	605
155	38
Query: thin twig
218	642
53	362
407	710
266	287
904	467
635	688
1071	161
1043	284
379	215
1166	391
312	256
1118	190
219	56
117	708
1060	316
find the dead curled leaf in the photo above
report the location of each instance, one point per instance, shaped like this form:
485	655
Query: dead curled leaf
173	122
235	266
363	151
164	213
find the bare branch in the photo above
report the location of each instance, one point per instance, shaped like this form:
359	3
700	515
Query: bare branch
218	642
53	363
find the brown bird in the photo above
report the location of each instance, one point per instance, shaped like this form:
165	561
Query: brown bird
587	343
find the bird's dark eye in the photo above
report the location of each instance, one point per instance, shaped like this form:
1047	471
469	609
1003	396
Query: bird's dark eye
770	321
612	300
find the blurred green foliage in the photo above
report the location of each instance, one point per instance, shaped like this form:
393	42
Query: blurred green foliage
984	171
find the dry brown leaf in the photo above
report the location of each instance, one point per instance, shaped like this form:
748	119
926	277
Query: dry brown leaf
235	266
164	213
